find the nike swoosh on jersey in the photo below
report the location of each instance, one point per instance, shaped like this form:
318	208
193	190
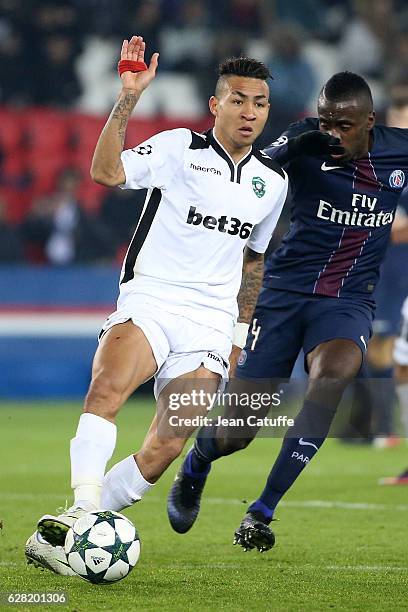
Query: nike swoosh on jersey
326	168
303	443
363	341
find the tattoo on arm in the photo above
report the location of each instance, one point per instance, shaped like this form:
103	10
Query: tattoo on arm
252	275
122	112
106	167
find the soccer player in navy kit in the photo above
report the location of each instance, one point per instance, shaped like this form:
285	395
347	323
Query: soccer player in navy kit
346	177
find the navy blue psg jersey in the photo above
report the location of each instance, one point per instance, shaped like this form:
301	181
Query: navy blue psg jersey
341	215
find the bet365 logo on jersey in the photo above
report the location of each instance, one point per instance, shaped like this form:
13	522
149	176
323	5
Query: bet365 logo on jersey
223	224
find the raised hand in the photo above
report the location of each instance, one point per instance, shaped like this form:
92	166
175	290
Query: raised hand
134	49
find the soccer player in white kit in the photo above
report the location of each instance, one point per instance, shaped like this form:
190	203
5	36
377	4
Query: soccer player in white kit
213	202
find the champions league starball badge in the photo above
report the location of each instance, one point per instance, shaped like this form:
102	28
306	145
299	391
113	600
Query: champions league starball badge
144	149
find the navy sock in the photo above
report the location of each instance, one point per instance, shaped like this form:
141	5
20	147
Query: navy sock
299	446
204	451
194	466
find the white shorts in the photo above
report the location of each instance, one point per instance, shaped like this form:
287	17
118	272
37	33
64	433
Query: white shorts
179	345
401	343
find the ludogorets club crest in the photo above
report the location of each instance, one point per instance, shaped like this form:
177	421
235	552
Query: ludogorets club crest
258	185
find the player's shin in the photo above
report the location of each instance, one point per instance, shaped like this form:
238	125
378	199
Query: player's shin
91	449
299	446
123	485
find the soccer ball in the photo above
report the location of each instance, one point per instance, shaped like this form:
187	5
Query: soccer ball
102	547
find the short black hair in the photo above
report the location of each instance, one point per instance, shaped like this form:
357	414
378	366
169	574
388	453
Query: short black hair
241	66
347	85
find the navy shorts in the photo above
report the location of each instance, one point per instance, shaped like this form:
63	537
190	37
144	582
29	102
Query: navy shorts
285	322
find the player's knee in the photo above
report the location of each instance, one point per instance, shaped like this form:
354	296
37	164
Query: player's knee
337	360
333	370
326	373
103	397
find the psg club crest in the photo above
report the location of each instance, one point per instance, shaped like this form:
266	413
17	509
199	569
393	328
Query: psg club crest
242	357
258	185
397	179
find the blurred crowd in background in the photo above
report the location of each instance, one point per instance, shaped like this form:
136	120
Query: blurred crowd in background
63	52
58	70
58	82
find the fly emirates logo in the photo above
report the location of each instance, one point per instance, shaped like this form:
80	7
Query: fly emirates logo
362	213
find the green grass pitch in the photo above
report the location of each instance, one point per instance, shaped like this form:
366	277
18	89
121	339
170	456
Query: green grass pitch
341	539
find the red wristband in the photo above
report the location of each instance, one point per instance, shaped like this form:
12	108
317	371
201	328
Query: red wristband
130	66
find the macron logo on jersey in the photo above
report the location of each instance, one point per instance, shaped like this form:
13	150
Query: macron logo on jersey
204	169
232	226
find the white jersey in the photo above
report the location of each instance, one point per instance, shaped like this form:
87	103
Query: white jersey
200	211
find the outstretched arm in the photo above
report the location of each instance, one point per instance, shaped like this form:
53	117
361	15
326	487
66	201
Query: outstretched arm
107	168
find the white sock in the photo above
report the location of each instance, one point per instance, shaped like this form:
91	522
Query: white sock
402	392
91	449
123	485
